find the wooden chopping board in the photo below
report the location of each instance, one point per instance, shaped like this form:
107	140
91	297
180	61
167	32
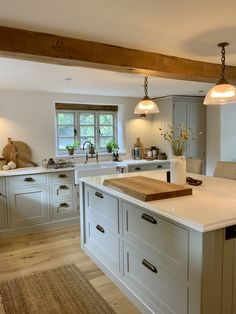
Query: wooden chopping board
19	152
147	189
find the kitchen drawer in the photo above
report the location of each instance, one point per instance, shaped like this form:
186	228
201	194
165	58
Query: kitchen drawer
105	205
27	180
103	243
63	210
151	281
161	239
62	176
62	191
146	167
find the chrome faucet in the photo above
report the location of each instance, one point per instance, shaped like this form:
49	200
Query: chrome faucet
87	142
91	154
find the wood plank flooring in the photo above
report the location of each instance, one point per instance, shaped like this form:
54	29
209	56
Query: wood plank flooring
46	249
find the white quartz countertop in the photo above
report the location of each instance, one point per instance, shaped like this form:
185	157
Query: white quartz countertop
145	161
31	170
211	206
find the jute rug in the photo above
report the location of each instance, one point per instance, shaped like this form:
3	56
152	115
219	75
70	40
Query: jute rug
62	290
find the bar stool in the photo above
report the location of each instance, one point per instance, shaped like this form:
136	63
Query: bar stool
225	169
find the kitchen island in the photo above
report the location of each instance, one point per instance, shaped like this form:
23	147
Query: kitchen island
169	256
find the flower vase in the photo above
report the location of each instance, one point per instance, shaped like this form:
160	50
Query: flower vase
178	170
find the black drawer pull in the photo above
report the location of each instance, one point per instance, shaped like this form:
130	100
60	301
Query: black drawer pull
29	179
149	218
64	205
149	266
159	166
137	168
64	187
62	175
98	194
100	228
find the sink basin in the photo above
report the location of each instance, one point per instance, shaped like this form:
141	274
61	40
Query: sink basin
97	169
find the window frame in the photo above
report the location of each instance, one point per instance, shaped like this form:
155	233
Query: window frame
76	114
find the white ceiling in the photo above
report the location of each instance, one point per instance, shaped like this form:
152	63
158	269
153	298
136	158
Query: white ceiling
182	28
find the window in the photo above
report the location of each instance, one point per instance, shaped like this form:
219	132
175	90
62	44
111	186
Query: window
98	127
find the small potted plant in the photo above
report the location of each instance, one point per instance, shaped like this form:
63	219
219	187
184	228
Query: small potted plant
112	146
72	147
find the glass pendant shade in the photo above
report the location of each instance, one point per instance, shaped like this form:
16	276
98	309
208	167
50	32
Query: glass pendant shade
221	94
146	105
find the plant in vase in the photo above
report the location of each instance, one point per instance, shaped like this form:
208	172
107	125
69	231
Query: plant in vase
112	146
178	137
72	147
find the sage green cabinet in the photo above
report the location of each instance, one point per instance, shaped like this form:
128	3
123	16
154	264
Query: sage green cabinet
63	194
3	215
38	199
28	200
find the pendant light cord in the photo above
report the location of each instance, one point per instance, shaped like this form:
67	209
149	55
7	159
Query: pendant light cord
146	86
223	62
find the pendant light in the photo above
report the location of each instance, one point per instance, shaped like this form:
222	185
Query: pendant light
223	93
146	105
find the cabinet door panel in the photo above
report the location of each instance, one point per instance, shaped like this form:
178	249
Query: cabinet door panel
103	243
105	205
28	206
159	238
165	292
63	210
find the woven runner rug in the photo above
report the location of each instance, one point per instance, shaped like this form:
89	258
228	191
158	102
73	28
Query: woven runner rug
62	290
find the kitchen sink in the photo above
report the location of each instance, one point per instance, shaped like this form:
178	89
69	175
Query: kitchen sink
97	169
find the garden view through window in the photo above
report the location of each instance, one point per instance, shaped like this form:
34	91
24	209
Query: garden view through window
96	127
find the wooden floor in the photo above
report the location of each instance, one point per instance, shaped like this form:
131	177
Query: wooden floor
25	254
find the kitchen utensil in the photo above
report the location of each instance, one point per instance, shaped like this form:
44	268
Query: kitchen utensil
137	153
147	189
17	151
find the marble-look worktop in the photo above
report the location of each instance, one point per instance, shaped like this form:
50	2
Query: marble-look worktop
211	206
31	170
34	170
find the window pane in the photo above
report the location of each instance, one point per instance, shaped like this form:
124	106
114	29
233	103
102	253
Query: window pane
66	118
65	141
104	140
86	118
84	139
86	131
106	119
106	130
66	131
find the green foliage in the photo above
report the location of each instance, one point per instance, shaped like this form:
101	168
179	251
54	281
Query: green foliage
112	145
73	146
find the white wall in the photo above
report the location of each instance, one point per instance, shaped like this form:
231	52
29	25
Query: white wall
30	117
221	135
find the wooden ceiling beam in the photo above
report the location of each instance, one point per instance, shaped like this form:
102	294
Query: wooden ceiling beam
43	47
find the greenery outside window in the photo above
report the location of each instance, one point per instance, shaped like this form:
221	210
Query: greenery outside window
98	127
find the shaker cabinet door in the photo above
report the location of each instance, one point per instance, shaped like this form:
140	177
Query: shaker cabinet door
28	206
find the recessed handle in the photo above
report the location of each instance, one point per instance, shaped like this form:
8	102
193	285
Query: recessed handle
29	179
98	194
159	166
64	187
149	218
149	266
100	228
64	205
137	168
62	175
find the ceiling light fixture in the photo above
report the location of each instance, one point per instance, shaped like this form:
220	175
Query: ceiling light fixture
146	105
223	93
